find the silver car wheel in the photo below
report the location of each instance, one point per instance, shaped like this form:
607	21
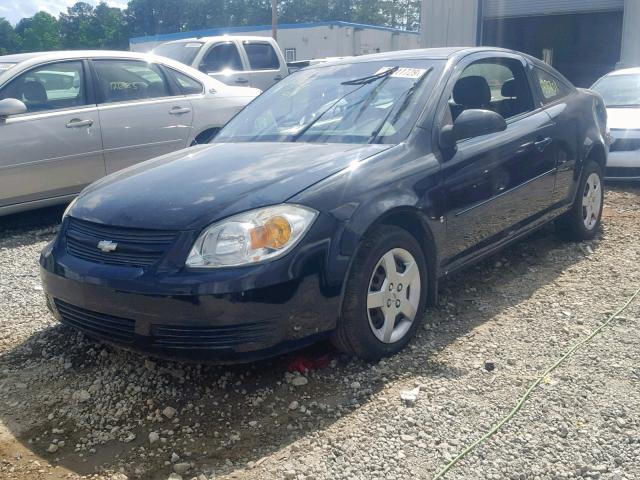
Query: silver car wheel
393	295
591	201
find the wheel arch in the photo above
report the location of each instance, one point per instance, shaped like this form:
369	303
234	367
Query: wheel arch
412	220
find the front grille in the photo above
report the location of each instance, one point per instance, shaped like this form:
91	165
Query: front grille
216	337
99	324
625	145
135	247
622	172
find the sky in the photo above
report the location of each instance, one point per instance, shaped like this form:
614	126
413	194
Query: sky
14	10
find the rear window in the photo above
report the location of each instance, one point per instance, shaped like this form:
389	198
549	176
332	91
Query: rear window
183	52
262	56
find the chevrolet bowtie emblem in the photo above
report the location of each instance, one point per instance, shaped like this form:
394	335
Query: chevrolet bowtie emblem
107	246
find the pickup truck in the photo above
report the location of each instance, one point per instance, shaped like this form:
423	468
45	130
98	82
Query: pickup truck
243	61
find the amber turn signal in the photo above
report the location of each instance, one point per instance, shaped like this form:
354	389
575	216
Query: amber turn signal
275	233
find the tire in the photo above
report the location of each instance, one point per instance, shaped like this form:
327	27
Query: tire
583	220
361	329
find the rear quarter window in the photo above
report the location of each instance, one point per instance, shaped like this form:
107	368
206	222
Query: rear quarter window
551	87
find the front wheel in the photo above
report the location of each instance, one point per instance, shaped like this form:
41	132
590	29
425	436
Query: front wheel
583	220
385	295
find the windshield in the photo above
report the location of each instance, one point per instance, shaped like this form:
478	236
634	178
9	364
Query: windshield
373	102
6	66
619	90
184	52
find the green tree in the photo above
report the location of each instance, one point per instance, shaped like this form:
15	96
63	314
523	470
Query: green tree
77	27
8	39
110	28
38	33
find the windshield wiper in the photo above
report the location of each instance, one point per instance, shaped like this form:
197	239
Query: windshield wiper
405	103
384	75
371	78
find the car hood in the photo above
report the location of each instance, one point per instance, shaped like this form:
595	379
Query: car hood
191	188
624	118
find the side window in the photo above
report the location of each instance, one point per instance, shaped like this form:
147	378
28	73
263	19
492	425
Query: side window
53	86
188	85
552	89
223	56
262	56
130	80
492	84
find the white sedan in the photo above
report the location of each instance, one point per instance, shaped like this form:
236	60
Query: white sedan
69	118
621	92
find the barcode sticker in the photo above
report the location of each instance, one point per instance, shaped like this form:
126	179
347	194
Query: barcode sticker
404	72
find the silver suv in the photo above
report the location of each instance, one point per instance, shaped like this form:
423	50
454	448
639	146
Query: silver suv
69	118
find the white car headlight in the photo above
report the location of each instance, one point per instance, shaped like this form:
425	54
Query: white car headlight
251	237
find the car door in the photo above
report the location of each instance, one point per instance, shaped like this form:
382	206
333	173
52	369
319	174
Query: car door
53	149
142	113
495	184
223	61
264	64
555	97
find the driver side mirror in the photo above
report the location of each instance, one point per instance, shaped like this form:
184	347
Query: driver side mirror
11	106
470	124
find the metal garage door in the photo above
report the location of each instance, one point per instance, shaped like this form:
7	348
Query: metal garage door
523	8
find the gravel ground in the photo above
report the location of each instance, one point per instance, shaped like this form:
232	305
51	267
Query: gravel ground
73	408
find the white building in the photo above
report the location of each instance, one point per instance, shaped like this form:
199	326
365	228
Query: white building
584	39
306	41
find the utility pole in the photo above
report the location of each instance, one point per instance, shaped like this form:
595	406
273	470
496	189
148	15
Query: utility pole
274	19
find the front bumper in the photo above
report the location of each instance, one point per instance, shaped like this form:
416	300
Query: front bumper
231	315
623	162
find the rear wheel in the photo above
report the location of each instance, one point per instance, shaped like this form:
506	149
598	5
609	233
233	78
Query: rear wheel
583	220
385	295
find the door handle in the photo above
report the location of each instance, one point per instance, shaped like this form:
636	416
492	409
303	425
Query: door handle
242	80
78	122
542	144
179	110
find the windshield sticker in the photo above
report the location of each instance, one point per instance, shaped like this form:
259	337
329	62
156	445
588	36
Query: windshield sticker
193	45
404	72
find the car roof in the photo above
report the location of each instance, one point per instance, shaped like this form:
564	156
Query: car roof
440	53
68	54
217	37
624	71
28	60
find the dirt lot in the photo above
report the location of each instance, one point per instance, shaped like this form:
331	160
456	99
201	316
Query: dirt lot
73	408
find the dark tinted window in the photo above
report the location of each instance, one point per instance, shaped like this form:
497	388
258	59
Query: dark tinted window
497	84
188	85
552	88
130	80
49	87
262	56
223	56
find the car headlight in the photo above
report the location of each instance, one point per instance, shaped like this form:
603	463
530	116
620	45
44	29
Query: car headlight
251	237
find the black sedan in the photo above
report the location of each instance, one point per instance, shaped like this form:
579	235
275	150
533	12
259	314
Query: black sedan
331	206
